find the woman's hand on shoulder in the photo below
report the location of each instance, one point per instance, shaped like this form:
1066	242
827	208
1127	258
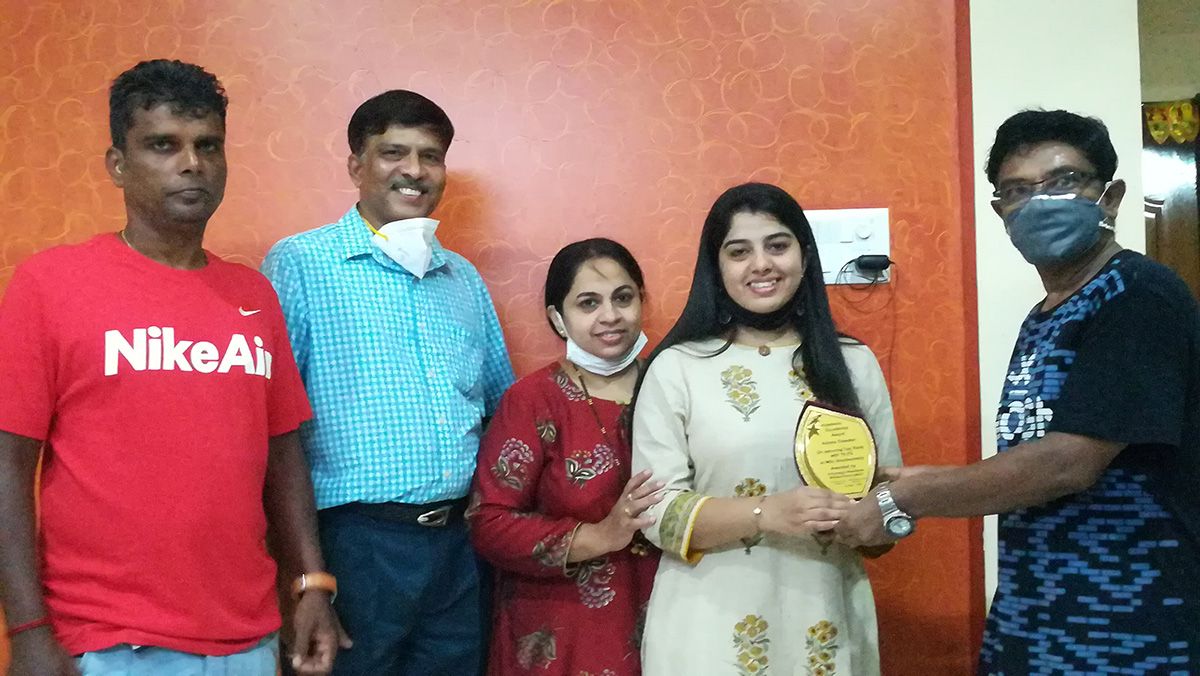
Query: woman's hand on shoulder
626	518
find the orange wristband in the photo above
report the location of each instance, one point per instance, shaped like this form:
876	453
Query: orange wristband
321	581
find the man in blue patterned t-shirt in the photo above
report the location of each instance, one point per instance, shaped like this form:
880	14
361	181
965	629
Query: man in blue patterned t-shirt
401	352
1098	430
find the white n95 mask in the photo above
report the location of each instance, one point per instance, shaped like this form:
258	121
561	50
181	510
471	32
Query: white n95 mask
409	242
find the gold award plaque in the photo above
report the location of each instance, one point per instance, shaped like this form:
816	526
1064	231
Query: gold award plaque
835	450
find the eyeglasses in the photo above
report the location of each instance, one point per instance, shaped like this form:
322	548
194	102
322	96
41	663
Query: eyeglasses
1019	192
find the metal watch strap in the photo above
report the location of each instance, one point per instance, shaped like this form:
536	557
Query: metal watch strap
892	514
887	504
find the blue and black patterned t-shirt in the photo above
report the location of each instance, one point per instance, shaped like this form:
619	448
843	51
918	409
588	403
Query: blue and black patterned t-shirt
1106	581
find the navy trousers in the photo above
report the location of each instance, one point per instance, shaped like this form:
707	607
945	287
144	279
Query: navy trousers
409	596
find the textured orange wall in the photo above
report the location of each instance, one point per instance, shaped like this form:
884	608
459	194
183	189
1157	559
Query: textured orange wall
623	118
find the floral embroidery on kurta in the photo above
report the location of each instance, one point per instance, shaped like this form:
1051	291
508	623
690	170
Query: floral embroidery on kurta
750	640
552	552
751	488
822	648
546	431
688	434
677	521
584	465
512	465
740	390
536	649
569	388
593	577
800	381
586	613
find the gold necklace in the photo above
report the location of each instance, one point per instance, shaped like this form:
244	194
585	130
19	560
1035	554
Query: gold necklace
592	405
125	239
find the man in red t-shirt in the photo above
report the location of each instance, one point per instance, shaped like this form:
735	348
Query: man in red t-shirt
157	384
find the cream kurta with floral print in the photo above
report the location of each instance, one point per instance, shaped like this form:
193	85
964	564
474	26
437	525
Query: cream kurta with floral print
723	426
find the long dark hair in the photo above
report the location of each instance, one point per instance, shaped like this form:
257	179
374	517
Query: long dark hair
704	316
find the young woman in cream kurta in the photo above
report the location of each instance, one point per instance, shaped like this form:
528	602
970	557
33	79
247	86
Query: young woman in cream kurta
724	426
748	582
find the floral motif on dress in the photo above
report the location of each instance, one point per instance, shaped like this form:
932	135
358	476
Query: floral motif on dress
585	465
551	551
751	642
799	380
536	650
751	488
822	648
740	390
513	464
592	577
568	387
606	672
546	431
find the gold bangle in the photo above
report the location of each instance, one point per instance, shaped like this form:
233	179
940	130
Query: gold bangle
320	581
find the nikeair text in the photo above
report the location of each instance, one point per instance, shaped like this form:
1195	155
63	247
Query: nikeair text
155	349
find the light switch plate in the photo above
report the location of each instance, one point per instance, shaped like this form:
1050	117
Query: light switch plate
845	234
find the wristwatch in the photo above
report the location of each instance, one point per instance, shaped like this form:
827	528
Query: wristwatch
896	523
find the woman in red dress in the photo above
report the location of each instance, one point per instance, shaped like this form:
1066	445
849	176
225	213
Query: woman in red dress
554	508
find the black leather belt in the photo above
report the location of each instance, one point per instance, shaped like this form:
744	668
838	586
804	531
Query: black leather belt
433	515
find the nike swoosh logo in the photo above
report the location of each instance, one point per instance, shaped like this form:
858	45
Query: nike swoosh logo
246	313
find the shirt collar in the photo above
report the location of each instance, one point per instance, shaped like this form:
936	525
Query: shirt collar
356	241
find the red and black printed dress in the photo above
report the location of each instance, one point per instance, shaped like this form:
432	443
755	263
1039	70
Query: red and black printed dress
544	468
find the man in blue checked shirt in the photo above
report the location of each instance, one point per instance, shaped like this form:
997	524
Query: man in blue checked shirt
402	355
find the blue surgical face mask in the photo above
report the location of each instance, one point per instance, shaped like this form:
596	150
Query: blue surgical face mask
1050	229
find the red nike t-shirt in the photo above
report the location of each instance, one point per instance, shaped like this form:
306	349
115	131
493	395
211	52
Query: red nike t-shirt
156	391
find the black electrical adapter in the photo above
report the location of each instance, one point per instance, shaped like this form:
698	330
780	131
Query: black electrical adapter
873	263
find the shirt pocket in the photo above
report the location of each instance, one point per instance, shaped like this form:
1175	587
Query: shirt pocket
461	356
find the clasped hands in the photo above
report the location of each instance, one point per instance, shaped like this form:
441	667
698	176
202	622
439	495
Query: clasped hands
830	515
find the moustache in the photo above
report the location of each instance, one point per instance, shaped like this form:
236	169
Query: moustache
411	184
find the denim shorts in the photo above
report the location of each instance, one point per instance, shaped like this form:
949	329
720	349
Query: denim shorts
260	659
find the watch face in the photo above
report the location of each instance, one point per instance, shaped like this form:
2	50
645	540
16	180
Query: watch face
899	526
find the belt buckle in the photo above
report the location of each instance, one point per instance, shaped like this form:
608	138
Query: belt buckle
435	518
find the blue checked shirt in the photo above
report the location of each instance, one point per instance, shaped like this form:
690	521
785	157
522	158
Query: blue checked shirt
400	371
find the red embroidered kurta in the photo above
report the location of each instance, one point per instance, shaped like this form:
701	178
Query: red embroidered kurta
544	468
